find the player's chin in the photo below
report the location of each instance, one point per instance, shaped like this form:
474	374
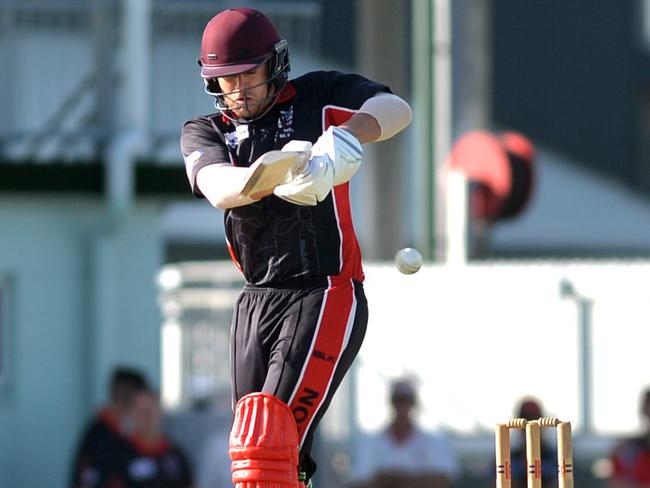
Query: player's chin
245	111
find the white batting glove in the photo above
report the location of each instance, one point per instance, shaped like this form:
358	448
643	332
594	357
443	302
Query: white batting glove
297	146
311	186
336	157
344	151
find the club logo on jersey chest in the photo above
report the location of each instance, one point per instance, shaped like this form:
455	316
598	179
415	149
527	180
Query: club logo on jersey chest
231	139
285	124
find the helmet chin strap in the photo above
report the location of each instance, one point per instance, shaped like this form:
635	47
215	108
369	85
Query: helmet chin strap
222	107
267	102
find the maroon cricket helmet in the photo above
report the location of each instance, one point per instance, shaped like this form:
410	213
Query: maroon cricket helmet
237	40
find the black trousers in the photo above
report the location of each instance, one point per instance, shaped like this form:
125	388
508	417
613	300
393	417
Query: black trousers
297	343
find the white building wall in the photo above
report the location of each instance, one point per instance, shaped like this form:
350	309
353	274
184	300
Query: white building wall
480	337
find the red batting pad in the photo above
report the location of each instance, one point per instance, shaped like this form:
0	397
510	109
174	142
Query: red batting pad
264	443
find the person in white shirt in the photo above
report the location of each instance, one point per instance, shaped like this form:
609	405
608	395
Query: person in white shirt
403	455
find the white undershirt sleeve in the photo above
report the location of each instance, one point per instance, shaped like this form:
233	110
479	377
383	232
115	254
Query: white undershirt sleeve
391	112
220	184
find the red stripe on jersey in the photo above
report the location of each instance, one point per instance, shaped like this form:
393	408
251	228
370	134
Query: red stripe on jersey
350	265
331	337
233	256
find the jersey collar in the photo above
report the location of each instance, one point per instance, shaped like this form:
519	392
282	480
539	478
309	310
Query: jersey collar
287	93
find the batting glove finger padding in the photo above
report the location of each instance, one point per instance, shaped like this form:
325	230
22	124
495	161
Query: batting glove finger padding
311	186
299	171
343	149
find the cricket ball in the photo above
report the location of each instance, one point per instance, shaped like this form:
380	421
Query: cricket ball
408	260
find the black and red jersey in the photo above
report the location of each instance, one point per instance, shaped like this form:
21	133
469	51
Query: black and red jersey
107	458
631	462
102	435
273	241
139	464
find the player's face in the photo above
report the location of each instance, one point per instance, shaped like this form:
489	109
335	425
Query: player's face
246	94
403	407
146	414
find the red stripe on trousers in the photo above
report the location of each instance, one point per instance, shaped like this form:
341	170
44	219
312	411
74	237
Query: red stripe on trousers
324	355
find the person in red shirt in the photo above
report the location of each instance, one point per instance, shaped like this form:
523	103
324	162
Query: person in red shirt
631	457
105	434
149	458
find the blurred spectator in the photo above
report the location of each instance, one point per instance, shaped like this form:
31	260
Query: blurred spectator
403	455
631	457
530	408
149	459
105	432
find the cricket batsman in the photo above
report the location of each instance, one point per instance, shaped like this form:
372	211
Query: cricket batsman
301	317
